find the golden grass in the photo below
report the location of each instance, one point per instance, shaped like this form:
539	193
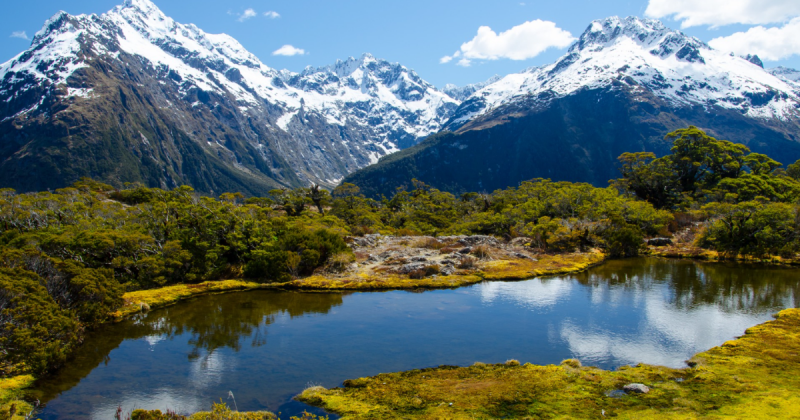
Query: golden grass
155	298
11	407
754	377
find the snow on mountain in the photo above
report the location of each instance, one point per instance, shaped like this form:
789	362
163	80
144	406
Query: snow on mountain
643	54
380	107
461	93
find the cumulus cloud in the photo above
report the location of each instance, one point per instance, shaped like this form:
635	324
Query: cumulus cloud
19	34
518	43
247	14
288	50
717	13
272	14
769	44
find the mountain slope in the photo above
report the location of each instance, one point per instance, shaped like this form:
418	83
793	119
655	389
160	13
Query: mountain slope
620	88
132	95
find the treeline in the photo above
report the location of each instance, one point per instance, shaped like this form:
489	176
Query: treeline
66	257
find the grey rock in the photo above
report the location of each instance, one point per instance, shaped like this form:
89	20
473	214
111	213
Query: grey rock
523	256
447	270
407	268
659	241
478	240
636	389
418	259
466	250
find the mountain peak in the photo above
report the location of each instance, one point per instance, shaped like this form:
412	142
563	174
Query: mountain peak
603	32
50	25
143	5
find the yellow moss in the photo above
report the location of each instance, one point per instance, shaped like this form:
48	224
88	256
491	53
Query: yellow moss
148	299
363	281
11	406
520	269
754	377
512	269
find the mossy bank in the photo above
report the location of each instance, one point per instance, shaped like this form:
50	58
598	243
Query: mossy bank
756	376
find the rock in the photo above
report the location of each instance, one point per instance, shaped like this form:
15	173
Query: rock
447	270
659	241
521	241
636	389
466	250
144	307
407	268
477	240
418	259
387	254
524	257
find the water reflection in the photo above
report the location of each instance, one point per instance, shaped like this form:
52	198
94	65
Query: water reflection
266	346
208	324
683	307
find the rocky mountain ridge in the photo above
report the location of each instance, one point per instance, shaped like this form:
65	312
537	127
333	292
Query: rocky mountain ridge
241	119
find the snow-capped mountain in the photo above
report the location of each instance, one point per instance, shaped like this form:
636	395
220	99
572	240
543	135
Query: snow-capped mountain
621	87
644	55
461	93
164	89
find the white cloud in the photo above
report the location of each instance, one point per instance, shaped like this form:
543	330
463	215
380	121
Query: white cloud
446	59
770	44
288	50
518	43
272	14
724	12
247	14
19	34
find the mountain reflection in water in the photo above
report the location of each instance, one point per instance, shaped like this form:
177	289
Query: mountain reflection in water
266	346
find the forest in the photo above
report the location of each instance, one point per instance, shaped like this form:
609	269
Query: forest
67	256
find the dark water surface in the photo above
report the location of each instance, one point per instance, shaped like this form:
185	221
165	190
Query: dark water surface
266	346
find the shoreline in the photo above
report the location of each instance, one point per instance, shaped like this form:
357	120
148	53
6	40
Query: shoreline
497	270
754	376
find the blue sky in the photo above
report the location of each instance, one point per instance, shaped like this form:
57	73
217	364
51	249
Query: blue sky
419	33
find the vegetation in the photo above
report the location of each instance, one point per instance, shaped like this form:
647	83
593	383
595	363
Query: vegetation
219	411
755	376
77	257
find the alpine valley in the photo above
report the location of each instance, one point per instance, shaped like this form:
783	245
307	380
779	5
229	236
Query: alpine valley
133	96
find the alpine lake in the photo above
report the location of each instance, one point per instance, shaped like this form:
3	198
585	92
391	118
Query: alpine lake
256	350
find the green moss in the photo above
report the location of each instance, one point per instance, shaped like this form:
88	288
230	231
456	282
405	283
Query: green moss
218	412
755	376
12	407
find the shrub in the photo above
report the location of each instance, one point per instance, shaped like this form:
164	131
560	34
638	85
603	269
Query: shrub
35	332
481	251
426	271
466	262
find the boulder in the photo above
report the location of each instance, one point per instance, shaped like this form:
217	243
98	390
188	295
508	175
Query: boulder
478	240
636	389
659	241
407	268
